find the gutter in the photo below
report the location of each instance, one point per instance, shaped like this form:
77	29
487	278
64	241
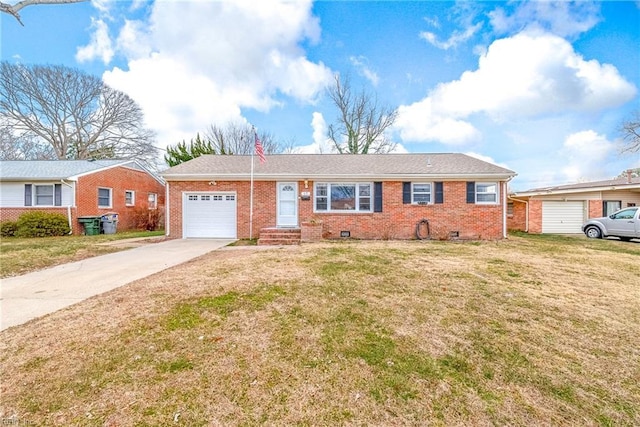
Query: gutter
68	208
526	212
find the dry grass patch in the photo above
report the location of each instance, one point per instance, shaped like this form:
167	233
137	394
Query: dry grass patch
529	331
24	255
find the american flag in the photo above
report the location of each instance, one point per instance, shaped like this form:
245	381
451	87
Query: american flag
260	150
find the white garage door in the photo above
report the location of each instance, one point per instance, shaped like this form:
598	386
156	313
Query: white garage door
211	215
562	217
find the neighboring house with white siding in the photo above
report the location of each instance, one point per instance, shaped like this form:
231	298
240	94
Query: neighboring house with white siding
77	188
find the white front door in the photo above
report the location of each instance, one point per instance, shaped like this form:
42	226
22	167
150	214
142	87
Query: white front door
287	204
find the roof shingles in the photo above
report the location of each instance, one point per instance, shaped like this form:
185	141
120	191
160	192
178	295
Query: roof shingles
337	165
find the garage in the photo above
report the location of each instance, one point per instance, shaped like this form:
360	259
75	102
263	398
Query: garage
562	217
209	215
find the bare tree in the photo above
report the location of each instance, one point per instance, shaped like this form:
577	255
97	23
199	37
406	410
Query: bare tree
75	113
14	9
631	134
23	147
361	123
239	138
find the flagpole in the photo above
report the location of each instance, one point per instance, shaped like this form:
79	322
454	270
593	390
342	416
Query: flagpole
251	199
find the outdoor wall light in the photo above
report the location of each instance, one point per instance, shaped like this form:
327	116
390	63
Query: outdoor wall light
306	183
212	183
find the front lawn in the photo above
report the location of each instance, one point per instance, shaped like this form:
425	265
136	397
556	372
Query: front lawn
20	256
533	330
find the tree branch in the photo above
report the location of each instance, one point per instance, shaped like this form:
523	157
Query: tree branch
14	9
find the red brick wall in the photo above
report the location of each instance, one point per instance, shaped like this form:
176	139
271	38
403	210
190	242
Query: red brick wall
119	179
595	208
535	216
397	221
518	220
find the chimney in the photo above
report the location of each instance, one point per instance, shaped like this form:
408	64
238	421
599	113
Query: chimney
628	176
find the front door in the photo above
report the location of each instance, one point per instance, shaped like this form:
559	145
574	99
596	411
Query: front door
287	204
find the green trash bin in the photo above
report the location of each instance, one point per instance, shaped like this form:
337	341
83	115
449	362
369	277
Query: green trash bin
91	225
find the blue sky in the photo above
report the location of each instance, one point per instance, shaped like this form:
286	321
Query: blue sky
539	87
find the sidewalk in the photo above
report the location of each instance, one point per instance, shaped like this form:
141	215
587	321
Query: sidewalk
32	295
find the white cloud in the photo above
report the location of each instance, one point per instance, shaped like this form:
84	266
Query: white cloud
192	64
363	69
525	76
100	46
563	18
457	38
321	144
586	156
419	122
487	159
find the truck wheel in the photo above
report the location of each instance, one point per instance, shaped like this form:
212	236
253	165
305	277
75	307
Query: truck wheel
593	232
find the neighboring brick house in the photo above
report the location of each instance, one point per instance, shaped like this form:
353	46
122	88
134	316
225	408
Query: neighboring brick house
563	209
375	196
77	188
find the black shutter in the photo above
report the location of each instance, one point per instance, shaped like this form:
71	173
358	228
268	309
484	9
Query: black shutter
439	193
406	192
604	208
57	195
377	197
27	194
471	192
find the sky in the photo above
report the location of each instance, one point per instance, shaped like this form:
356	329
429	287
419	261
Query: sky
539	87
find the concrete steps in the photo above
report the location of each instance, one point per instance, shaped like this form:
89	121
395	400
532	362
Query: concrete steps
279	236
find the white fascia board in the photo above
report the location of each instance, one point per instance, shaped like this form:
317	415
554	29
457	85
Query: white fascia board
577	190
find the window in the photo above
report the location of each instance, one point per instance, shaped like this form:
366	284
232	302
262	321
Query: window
510	208
610	206
482	192
340	197
421	193
625	214
129	198
43	195
104	197
153	200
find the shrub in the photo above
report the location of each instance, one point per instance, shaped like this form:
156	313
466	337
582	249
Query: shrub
8	228
146	219
42	224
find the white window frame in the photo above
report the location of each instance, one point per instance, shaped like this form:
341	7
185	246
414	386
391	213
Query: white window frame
152	201
35	195
110	197
496	194
133	198
428	193
358	198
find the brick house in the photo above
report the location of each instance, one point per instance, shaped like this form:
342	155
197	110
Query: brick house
376	196
564	209
77	188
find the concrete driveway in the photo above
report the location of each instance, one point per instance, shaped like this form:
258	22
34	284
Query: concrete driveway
42	292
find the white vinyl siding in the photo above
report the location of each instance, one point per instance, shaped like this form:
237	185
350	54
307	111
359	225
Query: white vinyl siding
562	217
12	194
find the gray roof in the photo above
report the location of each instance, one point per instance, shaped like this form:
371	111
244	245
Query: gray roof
338	166
619	183
17	170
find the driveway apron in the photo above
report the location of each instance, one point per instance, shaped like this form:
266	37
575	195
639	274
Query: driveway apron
42	292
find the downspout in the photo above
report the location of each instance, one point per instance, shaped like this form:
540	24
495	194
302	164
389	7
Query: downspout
167	210
69	207
526	213
504	208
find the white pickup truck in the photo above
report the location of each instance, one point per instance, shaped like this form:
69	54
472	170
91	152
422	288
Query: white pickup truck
624	224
